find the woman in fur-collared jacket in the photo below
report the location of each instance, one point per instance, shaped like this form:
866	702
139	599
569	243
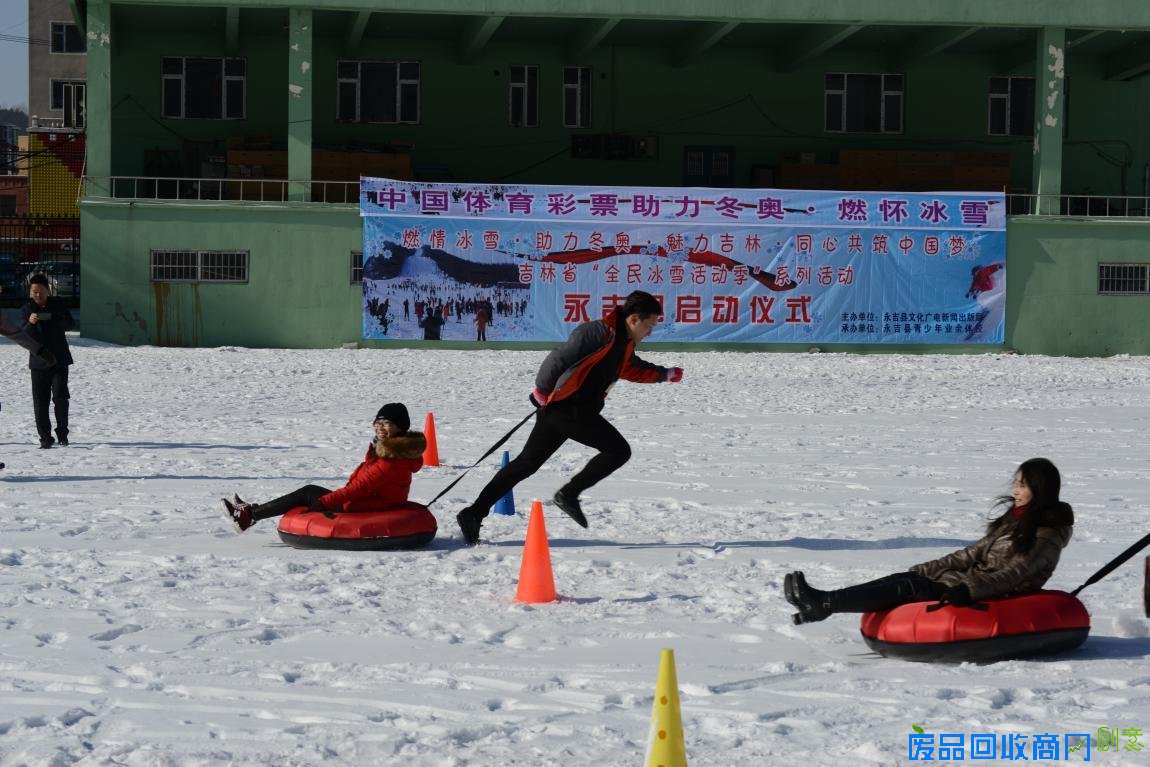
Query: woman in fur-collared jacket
1017	554
380	482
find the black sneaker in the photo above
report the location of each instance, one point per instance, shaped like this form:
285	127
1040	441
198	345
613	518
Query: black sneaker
241	516
46	443
570	506
469	523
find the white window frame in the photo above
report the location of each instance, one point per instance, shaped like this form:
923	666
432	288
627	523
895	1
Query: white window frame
401	83
1129	274
201	266
525	81
884	92
1008	98
578	120
52	38
181	78
357	267
52	90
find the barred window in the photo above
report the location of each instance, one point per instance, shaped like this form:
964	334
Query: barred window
1124	279
356	267
199	266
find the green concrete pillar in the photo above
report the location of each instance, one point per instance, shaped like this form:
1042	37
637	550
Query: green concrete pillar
1049	94
299	102
98	99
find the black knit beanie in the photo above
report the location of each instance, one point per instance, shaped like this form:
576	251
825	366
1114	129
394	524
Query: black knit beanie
396	413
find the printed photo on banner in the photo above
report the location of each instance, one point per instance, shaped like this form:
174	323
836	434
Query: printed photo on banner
528	263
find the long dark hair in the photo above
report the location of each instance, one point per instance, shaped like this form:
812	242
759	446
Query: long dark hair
1045	483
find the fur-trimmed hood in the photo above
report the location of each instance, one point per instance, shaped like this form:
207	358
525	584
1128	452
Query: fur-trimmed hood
409	445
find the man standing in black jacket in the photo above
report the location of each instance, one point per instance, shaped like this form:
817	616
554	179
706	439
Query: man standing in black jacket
13	332
46	317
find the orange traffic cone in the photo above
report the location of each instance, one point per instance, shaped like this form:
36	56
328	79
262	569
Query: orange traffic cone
431	452
536	582
665	746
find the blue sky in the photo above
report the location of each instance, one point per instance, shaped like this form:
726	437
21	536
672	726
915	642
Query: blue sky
14	56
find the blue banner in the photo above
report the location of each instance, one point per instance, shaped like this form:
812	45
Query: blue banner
529	263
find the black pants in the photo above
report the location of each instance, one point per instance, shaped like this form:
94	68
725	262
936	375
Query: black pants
554	425
277	507
481	334
885	593
50	384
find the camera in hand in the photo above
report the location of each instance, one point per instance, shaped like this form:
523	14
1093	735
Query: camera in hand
44	315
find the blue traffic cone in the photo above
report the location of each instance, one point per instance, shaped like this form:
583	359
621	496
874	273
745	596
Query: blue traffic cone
506	504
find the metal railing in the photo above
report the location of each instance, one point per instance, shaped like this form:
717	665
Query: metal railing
347	193
1086	205
219	189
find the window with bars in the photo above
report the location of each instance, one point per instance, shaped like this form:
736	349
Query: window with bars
203	88
523	97
1124	279
66	38
863	103
1010	106
576	97
356	267
199	266
377	91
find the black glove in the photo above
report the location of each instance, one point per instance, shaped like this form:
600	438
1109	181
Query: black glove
46	356
317	506
959	596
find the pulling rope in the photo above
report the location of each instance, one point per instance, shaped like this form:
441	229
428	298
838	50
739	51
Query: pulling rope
491	450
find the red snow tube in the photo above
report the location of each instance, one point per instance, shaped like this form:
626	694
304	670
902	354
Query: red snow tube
407	526
1010	627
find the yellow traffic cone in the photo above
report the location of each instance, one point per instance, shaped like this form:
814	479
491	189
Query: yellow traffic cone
665	746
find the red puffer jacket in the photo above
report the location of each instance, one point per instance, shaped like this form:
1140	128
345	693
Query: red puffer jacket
383	480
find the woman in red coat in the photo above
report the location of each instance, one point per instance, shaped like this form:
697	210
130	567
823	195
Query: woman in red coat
381	482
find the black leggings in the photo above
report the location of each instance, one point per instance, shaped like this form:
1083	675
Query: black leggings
277	507
554	425
885	593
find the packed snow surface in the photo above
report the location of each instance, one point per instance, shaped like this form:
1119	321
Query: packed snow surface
138	628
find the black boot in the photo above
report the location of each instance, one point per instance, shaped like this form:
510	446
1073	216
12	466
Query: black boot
469	521
813	604
569	503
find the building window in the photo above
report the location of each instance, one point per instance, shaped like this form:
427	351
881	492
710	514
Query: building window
356	267
204	88
66	38
57	99
7	205
1010	106
1124	279
377	91
524	96
199	266
576	97
863	103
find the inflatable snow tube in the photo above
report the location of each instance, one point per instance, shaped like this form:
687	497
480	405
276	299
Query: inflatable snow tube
407	526
1010	627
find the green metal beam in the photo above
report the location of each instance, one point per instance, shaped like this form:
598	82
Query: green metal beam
299	96
1049	93
589	38
1130	15
1011	59
476	36
232	29
931	44
355	32
1129	63
813	44
701	41
1084	37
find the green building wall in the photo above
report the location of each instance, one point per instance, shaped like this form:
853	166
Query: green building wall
300	293
731	97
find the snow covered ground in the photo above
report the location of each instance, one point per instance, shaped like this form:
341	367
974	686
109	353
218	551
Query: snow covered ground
137	628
